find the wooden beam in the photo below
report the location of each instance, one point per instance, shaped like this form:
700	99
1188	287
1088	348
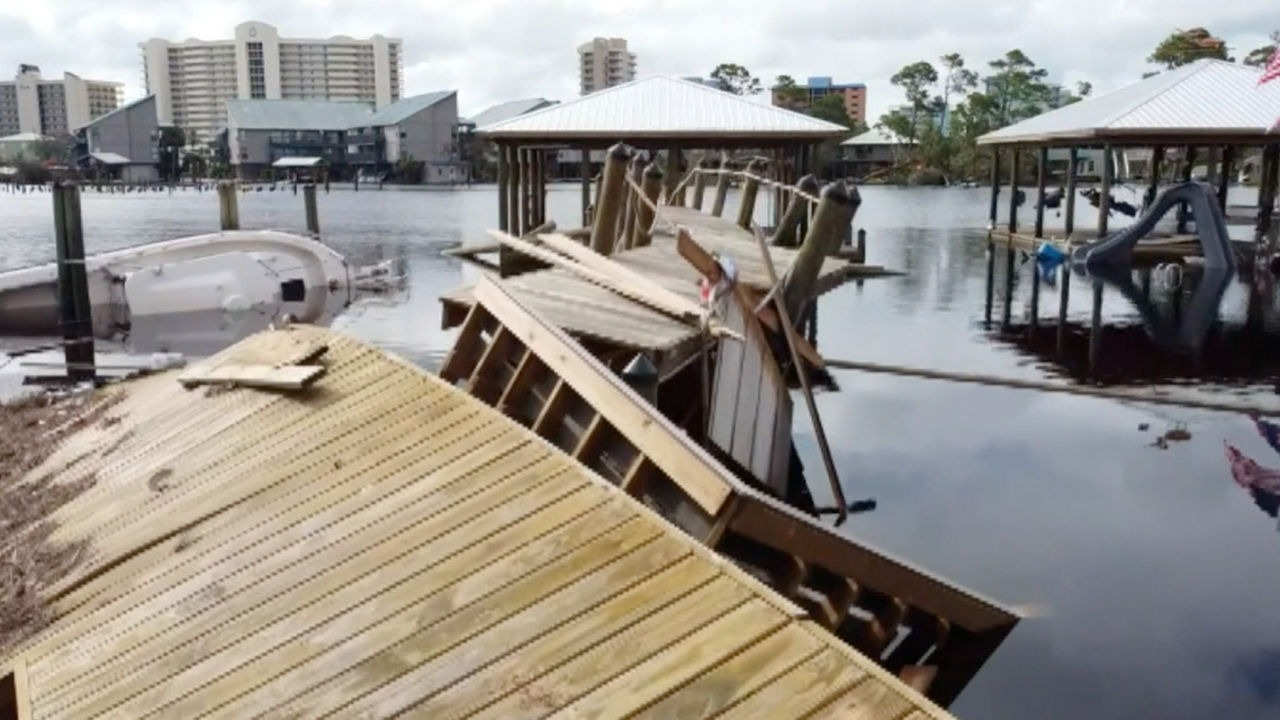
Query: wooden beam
262	377
703	479
618	272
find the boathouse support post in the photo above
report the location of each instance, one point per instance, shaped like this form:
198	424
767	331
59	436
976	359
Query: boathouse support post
750	191
699	183
636	172
836	208
1042	177
513	186
995	188
74	307
1226	167
610	200
228	205
788	232
1069	202
584	174
1188	165
504	179
1157	159
671	177
1013	192
526	190
1268	184
312	211
722	187
1104	200
652	187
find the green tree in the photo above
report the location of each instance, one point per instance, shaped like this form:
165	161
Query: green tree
1084	89
916	81
1258	57
56	149
733	78
787	93
832	109
957	80
1187	46
1017	88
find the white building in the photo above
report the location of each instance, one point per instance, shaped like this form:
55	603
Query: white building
605	62
193	79
31	104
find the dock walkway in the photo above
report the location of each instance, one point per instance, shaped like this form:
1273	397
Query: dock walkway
385	544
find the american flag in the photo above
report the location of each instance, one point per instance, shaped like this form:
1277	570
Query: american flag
1269	73
1262	483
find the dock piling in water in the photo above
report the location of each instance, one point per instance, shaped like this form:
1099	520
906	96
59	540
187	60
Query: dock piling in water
750	190
836	208
610	199
75	309
722	187
228	205
313	213
788	232
652	187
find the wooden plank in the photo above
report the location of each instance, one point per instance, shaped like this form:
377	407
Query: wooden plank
561	667
22	689
868	700
431	616
726	393
440	669
674	666
773	524
492	353
746	414
461	356
708	484
220	677
620	273
265	377
799	691
739	677
771	400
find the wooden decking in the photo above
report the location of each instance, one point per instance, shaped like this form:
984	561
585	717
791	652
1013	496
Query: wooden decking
588	311
383	544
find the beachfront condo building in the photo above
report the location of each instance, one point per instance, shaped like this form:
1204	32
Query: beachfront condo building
193	79
605	62
32	104
853	94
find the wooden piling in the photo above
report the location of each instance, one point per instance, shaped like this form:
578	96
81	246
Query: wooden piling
1069	202
584	175
504	180
228	205
722	187
788	232
636	171
652	187
312	211
1042	177
836	208
1188	165
611	199
671	175
994	217
513	189
750	190
1157	159
1104	201
699	183
1013	190
862	245
75	309
1267	187
1225	170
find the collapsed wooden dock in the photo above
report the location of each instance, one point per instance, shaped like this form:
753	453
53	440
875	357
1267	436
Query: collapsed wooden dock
381	543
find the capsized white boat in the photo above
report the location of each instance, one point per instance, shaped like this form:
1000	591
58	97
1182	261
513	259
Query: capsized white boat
193	294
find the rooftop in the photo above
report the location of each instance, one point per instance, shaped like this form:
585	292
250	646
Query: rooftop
22	137
297	114
406	108
1208	101
507	110
666	108
123	108
875	136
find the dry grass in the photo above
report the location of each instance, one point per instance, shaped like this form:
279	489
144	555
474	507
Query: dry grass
29	563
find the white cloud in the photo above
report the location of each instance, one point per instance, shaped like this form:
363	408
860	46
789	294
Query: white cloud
495	50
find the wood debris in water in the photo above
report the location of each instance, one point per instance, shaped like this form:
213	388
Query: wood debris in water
30	431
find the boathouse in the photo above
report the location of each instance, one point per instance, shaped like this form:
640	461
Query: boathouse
654	115
1209	111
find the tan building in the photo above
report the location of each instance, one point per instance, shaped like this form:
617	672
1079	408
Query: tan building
853	94
32	104
193	79
605	62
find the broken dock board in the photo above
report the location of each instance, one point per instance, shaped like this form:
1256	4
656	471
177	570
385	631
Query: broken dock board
263	377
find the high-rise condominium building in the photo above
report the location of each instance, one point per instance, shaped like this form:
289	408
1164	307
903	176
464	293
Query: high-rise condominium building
31	104
193	79
605	62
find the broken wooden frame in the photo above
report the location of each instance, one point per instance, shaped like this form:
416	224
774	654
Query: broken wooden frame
898	615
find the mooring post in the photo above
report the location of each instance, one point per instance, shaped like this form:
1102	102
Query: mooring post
788	232
610	201
750	190
722	187
995	189
504	177
1064	301
1006	315
652	187
991	281
699	183
229	205
836	208
1104	201
75	309
1042	177
1157	159
862	245
313	213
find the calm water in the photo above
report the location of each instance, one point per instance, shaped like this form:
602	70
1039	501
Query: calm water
1159	578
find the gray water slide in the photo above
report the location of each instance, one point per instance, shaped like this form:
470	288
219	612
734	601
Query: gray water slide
1116	250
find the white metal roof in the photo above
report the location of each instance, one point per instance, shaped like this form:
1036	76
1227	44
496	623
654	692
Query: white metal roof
662	107
1206	100
110	158
288	162
875	136
21	138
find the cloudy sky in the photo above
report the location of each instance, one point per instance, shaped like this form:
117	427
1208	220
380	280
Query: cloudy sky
495	50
